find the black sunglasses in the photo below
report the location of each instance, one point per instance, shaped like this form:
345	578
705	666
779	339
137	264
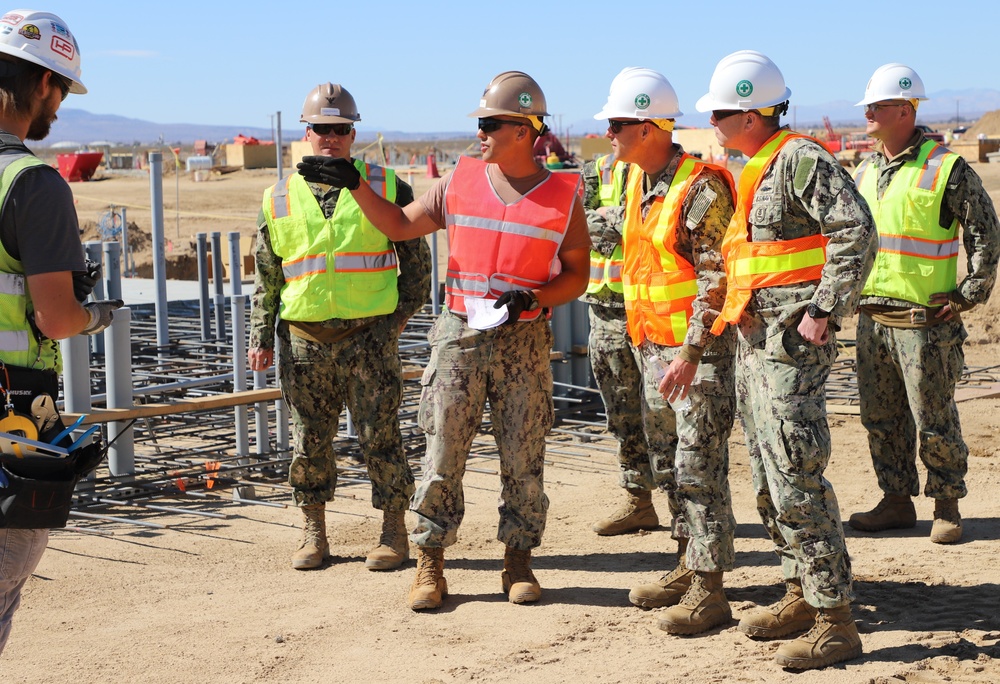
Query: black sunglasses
616	126
489	125
63	84
721	114
336	129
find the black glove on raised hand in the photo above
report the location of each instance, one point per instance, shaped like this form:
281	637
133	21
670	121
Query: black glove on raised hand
101	315
517	302
84	281
340	173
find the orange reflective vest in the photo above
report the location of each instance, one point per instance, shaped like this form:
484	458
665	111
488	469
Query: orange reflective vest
660	283
494	247
916	256
756	265
606	272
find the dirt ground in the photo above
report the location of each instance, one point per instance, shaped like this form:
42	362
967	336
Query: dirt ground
215	600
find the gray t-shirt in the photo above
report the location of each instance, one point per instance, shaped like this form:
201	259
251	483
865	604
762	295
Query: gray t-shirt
38	223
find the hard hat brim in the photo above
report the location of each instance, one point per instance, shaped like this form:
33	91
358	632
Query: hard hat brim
708	103
76	87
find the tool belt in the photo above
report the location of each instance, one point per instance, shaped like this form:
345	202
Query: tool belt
37	484
36	491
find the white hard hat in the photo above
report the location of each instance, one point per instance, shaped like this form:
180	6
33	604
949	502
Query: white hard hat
43	39
893	82
639	93
746	80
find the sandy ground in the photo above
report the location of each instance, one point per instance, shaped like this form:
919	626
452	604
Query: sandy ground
210	600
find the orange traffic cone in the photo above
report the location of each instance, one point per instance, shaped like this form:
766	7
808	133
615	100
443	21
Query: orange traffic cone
432	167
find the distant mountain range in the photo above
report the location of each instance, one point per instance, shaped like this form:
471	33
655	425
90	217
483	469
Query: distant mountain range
77	127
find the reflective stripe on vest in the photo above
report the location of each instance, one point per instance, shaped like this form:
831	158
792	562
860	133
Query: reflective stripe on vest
18	345
494	247
754	265
606	272
916	256
341	267
660	284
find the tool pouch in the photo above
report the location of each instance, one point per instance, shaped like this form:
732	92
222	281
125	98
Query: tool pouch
39	489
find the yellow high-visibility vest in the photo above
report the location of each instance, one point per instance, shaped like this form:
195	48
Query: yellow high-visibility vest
341	267
916	256
606	272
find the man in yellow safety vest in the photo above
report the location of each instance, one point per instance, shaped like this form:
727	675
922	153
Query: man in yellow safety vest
337	293
616	371
910	329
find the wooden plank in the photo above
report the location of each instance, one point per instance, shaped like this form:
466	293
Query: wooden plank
216	401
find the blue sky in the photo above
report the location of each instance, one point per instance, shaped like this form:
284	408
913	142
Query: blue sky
421	67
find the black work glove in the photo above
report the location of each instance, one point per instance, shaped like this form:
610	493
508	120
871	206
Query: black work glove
101	315
517	302
84	281
340	173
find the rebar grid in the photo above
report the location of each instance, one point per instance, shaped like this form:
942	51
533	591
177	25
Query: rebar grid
190	459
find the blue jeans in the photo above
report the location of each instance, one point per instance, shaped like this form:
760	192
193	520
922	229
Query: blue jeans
20	551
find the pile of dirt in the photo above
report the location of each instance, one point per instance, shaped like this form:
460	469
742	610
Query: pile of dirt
988	125
182	264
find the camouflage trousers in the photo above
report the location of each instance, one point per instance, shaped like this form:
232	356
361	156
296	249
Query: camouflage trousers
619	379
782	405
907	379
509	365
317	380
689	453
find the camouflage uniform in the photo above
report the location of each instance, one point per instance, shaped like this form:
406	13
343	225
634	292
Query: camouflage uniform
780	376
509	365
618	376
359	368
689	449
923	362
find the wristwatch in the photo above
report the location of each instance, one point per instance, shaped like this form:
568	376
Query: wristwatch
533	303
816	312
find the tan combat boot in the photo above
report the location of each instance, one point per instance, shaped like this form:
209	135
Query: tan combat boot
637	513
833	638
894	511
789	615
429	586
947	527
702	607
518	581
668	590
314	548
393	547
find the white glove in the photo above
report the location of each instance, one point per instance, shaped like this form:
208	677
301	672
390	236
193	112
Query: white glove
101	315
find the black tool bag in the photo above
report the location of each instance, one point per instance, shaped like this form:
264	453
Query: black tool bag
39	489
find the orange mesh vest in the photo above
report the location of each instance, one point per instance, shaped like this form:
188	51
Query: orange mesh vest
755	265
494	247
660	284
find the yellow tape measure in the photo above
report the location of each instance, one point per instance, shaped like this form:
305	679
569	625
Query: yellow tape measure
15	423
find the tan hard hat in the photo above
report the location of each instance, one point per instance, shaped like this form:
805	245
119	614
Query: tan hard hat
329	103
514	93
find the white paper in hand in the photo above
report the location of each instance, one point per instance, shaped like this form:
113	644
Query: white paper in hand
482	315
